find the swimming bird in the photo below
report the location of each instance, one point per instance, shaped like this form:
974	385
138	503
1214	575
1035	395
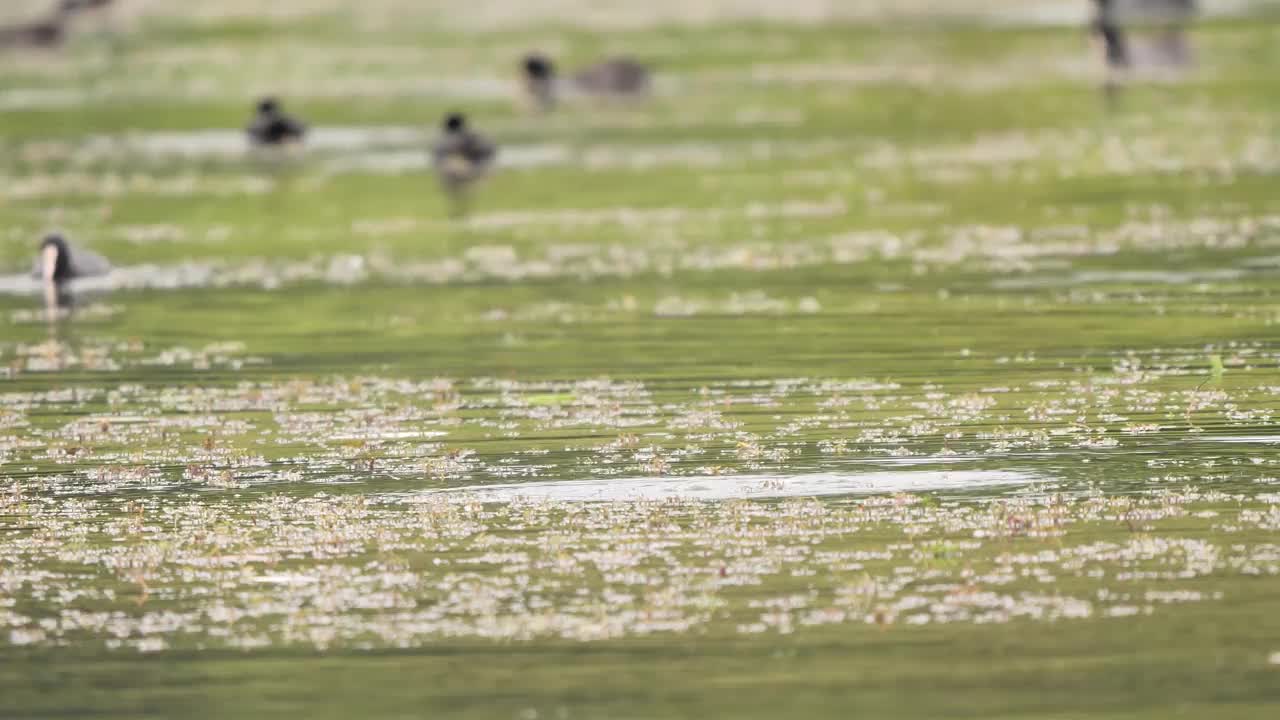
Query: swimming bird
540	80
1115	41
273	127
618	77
461	157
1115	44
46	33
58	263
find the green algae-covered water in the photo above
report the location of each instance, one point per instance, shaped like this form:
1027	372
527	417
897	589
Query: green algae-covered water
874	367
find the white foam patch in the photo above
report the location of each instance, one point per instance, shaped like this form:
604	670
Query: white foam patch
712	487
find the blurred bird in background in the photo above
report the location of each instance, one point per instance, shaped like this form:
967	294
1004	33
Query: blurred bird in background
272	127
51	30
461	157
1115	45
1142	38
539	79
58	263
615	78
46	32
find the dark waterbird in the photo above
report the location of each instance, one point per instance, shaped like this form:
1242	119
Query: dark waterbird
271	126
461	157
619	77
1106	26
1115	43
539	80
44	33
58	263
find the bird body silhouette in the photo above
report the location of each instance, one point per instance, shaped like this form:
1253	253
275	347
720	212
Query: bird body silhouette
461	157
1114	39
271	126
539	81
614	78
58	263
45	33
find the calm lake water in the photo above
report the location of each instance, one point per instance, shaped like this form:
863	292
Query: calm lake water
853	370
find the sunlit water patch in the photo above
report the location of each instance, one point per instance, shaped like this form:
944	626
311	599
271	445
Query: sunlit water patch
751	486
394	149
234	142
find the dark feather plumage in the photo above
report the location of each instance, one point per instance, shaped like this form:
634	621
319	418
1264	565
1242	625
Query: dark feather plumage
37	34
272	126
72	262
618	77
460	155
539	75
1115	41
460	158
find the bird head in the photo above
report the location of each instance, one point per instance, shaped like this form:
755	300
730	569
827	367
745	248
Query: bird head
538	67
53	254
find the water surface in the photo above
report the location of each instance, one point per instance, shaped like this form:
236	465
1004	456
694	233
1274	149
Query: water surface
800	384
